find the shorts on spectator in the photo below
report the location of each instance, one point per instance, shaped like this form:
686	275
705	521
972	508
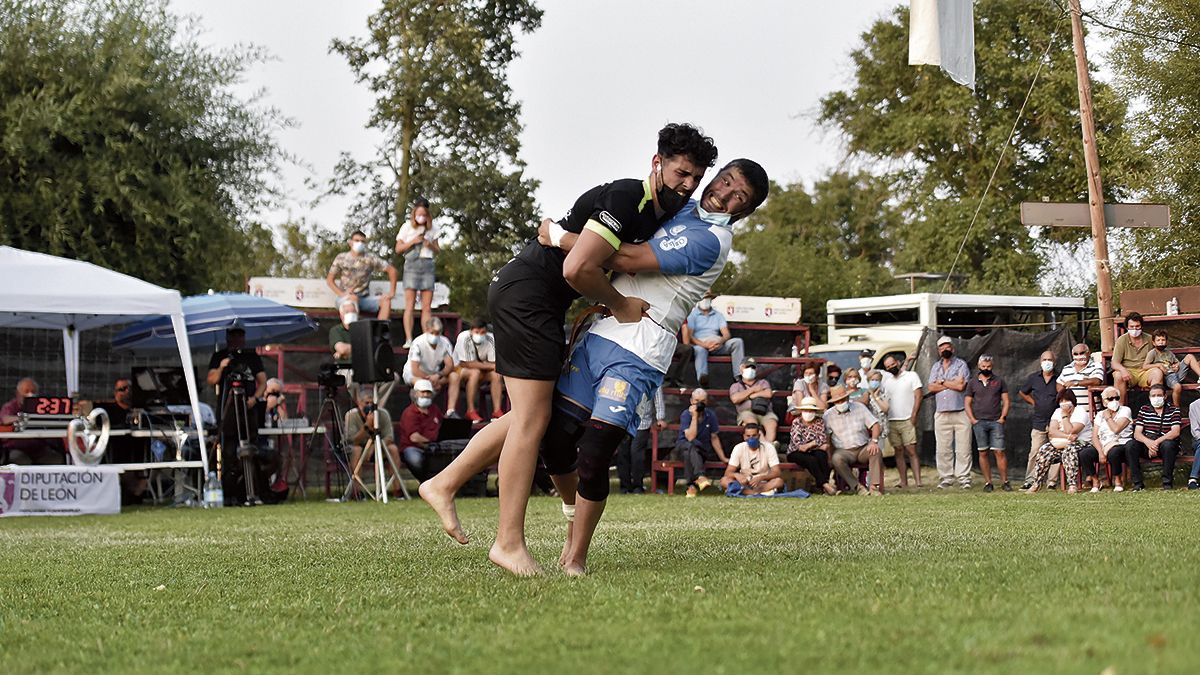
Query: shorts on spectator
418	274
989	434
1139	377
1182	375
367	303
749	416
902	432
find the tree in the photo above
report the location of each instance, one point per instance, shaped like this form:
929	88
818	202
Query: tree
1163	76
936	142
438	71
121	142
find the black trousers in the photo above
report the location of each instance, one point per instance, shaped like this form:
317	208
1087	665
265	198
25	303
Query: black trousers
1135	451
815	462
1089	459
631	460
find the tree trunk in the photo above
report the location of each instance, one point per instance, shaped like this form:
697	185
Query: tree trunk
408	134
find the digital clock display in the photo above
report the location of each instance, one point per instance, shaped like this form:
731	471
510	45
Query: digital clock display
47	405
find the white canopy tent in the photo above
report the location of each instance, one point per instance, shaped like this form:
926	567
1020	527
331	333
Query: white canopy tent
43	291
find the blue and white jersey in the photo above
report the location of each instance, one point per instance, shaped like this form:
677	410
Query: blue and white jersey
691	255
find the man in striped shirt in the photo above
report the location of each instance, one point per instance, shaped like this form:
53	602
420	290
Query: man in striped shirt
1082	372
1155	435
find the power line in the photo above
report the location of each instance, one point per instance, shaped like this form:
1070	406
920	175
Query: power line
1120	29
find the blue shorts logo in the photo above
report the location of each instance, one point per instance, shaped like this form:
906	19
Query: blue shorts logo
613	389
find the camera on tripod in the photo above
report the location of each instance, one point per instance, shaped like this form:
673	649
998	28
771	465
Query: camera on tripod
330	376
238	379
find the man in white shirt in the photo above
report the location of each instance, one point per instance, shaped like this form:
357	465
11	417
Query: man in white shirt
903	389
475	359
753	464
429	358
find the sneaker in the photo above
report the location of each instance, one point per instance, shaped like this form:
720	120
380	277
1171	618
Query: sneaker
1050	485
1139	488
1118	488
1094	489
863	492
1007	486
691	491
1026	485
987	487
407	344
945	484
966	486
876	492
1072	490
473	416
829	489
703	483
497	414
453	415
1193	485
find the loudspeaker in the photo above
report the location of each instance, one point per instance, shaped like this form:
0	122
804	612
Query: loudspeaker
371	351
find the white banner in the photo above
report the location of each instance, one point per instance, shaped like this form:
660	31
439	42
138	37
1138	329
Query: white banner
59	490
942	33
315	293
757	309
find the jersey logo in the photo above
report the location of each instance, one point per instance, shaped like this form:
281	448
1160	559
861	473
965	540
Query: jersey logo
608	219
613	389
673	244
616	408
677	229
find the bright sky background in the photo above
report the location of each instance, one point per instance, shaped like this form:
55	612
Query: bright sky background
597	80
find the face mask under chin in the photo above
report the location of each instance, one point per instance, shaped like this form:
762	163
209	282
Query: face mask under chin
669	200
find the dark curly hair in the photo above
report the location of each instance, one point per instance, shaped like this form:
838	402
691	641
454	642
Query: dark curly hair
685	139
756	176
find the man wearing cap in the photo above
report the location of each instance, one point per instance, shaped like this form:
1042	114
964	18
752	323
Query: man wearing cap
854	435
420	424
708	333
753	465
951	427
808	444
752	399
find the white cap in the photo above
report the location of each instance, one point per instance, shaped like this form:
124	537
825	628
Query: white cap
944	340
423	385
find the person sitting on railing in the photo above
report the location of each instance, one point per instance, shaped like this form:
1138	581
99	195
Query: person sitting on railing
1111	430
708	333
751	397
698	442
753	465
1129	358
1173	371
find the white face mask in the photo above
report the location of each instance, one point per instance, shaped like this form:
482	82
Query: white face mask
1157	401
432	339
864	363
1066	408
349	318
843	406
477	338
705	305
1047	366
421	220
1113	405
718	219
424	402
809	379
1135	332
808	415
358	246
852	383
748	373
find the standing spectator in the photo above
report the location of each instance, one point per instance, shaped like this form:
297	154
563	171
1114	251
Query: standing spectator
420	424
1129	358
951	426
1070	432
430	357
708	333
751	397
339	335
350	277
808	446
807	386
866	361
26	450
833	375
698	442
1082	372
475	359
878	402
854	435
855	385
1041	392
753	464
986	404
904	407
417	242
1111	431
1155	434
1172	370
631	453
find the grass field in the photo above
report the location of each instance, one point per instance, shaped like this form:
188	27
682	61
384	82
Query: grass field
903	583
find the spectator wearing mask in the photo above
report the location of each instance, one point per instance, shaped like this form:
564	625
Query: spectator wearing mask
986	404
854	435
698	442
1112	429
753	465
751	397
631	453
475	360
833	375
1041	392
430	357
708	333
866	366
339	335
904	407
1129	358
809	386
417	243
875	397
1173	371
1155	435
1082	372
350	277
1070	432
362	423
951	426
855	385
808	445
420	424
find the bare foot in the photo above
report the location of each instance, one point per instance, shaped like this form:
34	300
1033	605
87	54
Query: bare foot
518	562
562	559
443	505
574	569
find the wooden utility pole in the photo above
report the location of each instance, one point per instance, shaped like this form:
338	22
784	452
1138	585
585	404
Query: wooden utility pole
1091	158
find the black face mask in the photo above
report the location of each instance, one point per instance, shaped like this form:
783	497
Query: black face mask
946	354
986	372
894	370
1161	349
833	380
669	200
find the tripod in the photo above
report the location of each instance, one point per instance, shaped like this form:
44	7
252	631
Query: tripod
375	444
247	452
335	433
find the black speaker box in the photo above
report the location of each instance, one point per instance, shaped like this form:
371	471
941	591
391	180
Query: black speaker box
371	351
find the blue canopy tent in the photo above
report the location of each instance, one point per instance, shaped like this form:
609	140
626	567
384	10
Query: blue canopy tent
207	317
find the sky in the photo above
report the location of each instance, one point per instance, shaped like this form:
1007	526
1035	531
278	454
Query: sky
597	81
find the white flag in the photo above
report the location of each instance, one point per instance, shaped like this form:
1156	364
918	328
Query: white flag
942	33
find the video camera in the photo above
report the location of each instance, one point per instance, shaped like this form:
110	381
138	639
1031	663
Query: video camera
330	376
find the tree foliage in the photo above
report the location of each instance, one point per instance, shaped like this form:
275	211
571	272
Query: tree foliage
439	74
122	143
936	143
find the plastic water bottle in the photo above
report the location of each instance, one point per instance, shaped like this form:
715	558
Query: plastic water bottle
214	494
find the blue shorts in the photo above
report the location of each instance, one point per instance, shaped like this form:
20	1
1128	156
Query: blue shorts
989	434
367	303
608	380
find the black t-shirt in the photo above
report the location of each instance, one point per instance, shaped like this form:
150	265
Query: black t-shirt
1045	397
623	212
245	362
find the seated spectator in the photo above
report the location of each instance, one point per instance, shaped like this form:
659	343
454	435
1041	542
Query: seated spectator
1111	430
475	360
274	403
854	384
26	450
698	442
753	464
807	386
1069	432
833	375
362	423
708	333
808	446
903	391
854	435
1172	371
126	449
986	404
430	358
1129	358
751	397
420	424
1082	372
339	335
1155	435
350	277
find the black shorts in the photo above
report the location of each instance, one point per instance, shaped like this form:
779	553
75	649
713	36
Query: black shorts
528	319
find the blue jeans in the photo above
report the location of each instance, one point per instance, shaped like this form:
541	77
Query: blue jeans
1195	465
733	347
414	458
989	434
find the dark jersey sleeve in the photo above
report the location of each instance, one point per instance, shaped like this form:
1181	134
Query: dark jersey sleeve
615	209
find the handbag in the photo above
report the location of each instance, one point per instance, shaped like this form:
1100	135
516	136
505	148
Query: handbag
760	406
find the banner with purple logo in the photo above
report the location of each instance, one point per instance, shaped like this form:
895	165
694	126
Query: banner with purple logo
59	490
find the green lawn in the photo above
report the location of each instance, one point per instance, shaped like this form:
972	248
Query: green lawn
904	583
